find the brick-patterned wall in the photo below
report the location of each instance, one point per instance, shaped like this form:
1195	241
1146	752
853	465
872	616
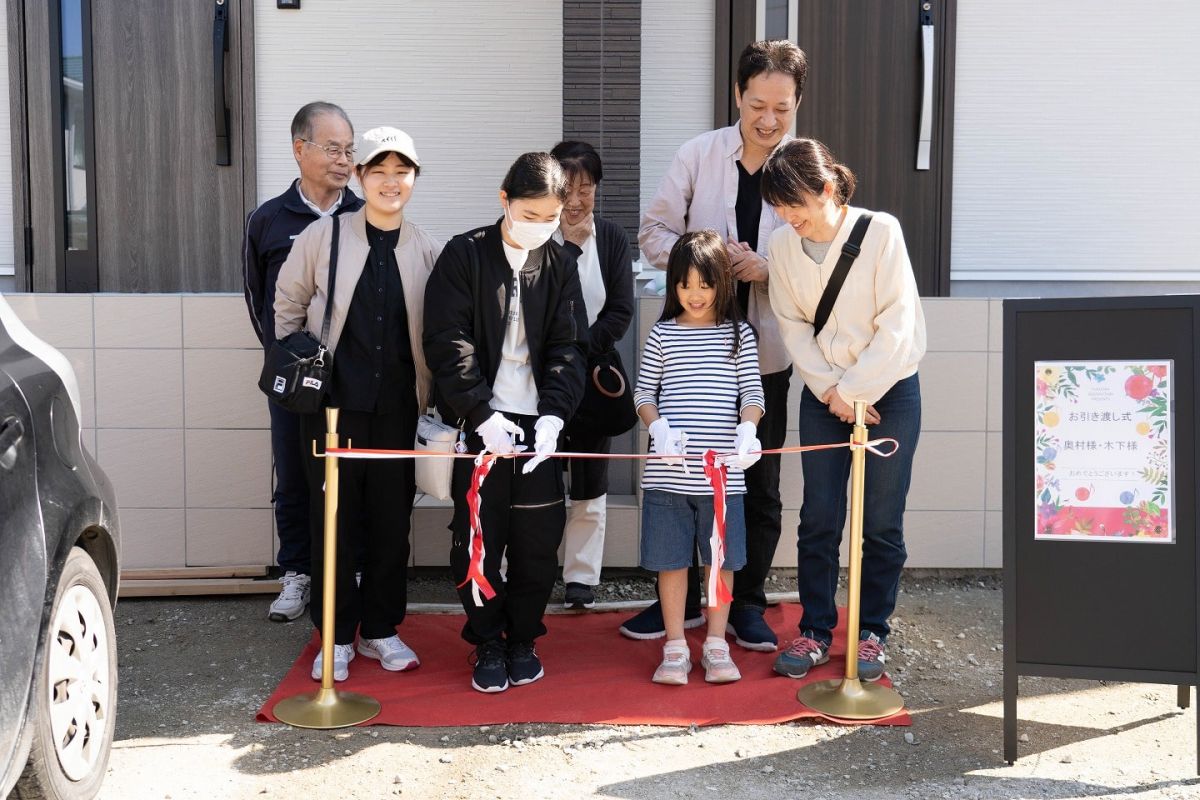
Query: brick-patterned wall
602	74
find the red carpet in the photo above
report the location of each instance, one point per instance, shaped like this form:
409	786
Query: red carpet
593	674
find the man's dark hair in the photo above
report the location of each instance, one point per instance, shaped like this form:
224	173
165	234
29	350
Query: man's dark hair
579	158
777	55
302	123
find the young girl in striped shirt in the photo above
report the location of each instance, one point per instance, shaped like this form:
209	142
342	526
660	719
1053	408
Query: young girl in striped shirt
698	388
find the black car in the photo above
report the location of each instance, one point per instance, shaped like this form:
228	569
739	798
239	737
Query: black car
59	566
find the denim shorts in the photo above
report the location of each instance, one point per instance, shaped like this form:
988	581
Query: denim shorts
674	525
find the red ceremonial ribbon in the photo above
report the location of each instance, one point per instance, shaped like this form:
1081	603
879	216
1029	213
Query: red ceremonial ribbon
717	474
475	550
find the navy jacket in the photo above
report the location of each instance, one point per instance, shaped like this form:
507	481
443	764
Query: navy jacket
270	230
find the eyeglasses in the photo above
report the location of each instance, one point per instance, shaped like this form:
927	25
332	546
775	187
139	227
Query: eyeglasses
333	151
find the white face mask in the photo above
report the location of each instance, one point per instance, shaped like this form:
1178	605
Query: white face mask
529	235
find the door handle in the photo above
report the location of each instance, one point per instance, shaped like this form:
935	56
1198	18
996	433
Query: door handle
11	432
220	43
925	133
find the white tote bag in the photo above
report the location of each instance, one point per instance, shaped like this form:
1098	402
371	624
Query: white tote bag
433	474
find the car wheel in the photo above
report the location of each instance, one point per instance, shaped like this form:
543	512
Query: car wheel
75	701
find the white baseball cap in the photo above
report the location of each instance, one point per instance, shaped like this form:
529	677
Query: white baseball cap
385	140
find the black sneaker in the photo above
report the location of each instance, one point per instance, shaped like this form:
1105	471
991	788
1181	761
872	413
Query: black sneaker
491	674
750	630
871	656
578	595
524	666
648	623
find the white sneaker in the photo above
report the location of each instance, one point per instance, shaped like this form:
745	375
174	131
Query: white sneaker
392	653
292	599
343	654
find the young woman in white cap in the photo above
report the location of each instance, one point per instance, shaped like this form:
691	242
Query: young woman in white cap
379	382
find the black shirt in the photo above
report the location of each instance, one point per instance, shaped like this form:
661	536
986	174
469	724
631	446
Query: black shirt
748	213
373	367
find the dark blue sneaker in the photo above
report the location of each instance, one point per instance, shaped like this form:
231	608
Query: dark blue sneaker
871	656
802	655
524	666
750	630
491	673
648	623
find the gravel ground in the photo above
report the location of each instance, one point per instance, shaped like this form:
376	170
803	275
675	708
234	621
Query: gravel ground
194	671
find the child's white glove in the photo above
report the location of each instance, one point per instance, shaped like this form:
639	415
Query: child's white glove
667	441
746	446
499	434
545	441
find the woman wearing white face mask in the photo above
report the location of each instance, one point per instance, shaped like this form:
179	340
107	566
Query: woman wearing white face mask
503	318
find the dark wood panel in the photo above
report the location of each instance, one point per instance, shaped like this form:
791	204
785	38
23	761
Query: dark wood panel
17	128
169	219
863	99
42	91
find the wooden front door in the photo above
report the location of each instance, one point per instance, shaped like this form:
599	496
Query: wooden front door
874	68
149	174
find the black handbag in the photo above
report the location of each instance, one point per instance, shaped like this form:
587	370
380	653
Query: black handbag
297	368
607	405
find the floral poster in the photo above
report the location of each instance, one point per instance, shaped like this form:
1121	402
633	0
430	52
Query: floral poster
1103	451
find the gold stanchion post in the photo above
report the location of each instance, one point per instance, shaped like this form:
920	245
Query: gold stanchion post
850	698
327	707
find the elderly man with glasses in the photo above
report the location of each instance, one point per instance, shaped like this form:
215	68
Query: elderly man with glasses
323	145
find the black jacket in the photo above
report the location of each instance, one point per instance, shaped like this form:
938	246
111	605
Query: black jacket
270	230
616	266
466	302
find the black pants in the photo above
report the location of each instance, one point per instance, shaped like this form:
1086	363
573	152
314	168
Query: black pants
589	476
523	515
764	508
380	495
290	496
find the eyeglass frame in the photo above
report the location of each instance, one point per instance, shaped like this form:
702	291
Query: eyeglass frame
332	151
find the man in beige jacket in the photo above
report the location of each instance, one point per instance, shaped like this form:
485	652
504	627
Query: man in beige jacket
713	182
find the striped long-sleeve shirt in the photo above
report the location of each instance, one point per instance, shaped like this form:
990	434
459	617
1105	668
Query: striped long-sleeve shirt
691	376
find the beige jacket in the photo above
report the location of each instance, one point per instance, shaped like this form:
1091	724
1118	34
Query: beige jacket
699	191
875	335
303	288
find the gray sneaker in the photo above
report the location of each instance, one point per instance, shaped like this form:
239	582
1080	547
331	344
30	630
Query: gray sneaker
391	652
292	599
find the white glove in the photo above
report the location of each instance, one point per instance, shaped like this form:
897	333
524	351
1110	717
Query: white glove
545	441
499	434
667	441
746	446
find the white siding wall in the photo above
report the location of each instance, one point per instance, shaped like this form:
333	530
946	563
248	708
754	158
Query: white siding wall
6	184
475	83
1075	139
677	82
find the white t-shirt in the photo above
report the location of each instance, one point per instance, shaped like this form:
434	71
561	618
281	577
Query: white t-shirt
591	279
514	390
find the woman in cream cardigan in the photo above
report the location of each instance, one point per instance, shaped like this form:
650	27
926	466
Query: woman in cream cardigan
379	382
867	351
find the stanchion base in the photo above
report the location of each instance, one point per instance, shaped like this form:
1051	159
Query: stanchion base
326	708
851	699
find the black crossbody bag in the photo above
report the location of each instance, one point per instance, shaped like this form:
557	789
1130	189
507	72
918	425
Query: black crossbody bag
296	371
850	251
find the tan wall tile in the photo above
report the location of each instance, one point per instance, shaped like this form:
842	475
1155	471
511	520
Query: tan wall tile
430	537
228	469
954	389
948	472
621	542
83	362
152	537
145	466
995	392
139	389
996	325
61	320
138	320
993	540
218	537
954	324
88	437
944	538
785	552
221	389
218	320
994	499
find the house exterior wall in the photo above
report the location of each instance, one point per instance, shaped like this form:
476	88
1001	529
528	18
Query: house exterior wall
6	167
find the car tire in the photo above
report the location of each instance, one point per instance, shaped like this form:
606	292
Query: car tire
73	709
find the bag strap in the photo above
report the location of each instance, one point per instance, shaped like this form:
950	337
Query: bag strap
850	251
333	259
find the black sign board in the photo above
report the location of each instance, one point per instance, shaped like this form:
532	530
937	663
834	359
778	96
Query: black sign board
1081	601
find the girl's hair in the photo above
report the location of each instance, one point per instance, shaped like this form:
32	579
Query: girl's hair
535	175
381	157
577	159
804	166
703	251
